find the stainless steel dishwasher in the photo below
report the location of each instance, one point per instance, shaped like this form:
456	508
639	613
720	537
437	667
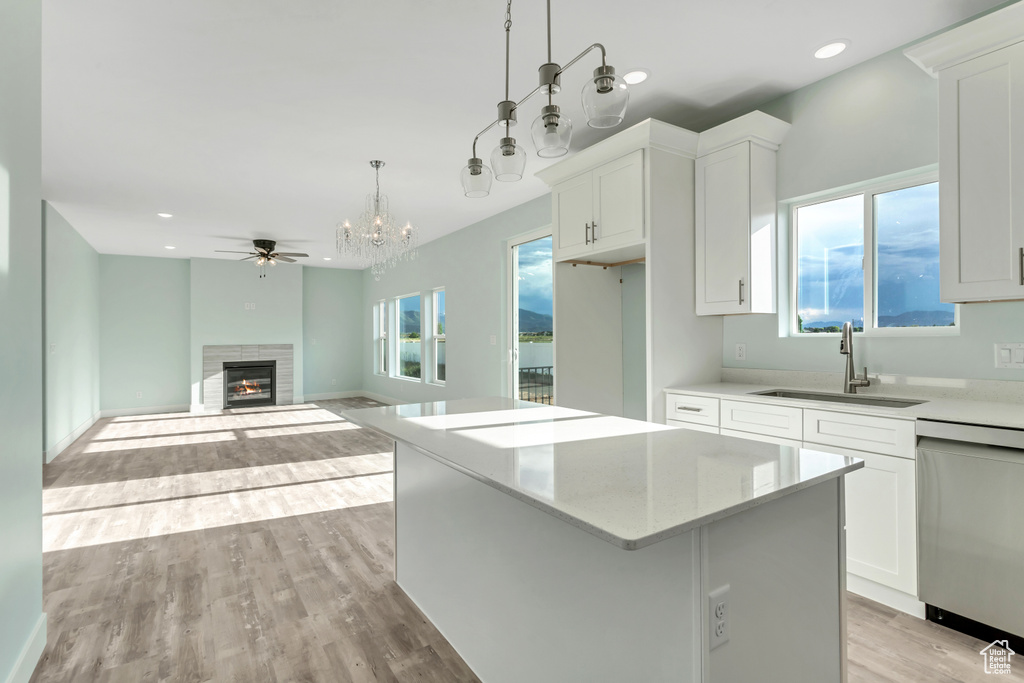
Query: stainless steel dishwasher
970	492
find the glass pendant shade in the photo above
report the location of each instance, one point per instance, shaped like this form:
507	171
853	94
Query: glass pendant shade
508	161
551	132
476	179
605	98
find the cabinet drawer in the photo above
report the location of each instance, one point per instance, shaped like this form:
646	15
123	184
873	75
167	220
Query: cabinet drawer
861	432
692	426
695	409
762	418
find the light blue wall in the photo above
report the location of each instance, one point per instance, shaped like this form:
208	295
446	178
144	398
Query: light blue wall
219	291
878	118
332	330
471	265
72	333
21	342
634	341
144	321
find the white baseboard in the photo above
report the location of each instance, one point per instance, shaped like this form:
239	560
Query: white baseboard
298	399
145	410
26	663
885	595
351	394
62	445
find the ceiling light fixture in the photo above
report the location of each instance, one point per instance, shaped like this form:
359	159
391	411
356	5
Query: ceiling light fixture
327	258
170	247
635	76
831	49
165	215
375	239
604	97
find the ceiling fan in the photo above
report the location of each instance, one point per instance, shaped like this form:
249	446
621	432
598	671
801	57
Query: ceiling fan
265	254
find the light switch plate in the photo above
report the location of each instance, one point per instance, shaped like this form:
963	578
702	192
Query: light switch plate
1010	356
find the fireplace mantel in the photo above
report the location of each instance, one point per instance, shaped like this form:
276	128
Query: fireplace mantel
214	358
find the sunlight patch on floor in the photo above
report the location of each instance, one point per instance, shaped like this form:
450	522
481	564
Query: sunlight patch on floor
212	423
260	432
158	442
146	520
131	491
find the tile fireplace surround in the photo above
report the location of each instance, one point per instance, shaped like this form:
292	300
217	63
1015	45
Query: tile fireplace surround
214	358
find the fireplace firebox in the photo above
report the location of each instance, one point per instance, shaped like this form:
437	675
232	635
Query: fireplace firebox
249	383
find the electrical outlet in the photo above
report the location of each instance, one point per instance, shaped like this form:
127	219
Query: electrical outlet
494	339
314	341
334	381
247	305
138	394
253	306
718	616
741	352
53	348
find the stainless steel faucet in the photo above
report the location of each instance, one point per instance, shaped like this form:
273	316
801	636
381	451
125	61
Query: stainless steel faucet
850	380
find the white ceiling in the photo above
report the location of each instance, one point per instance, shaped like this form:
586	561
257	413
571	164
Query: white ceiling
257	118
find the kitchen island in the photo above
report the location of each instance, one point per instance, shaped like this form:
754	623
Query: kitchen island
550	544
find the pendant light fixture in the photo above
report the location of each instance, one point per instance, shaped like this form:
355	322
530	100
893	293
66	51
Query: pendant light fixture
604	97
375	239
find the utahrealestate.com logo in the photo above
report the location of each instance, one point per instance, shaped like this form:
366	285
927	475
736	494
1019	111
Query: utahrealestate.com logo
997	657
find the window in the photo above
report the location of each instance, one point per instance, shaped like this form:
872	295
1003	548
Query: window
409	349
380	323
437	329
871	258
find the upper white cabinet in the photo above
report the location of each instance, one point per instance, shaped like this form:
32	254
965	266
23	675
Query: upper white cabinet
980	67
735	216
600	210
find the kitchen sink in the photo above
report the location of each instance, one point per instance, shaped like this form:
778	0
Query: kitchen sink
853	399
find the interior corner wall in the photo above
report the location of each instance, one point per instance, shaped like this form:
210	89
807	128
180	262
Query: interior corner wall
333	327
22	622
72	333
471	264
874	119
220	291
144	322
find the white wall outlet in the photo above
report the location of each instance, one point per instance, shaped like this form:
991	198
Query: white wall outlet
53	348
1010	356
719	617
253	306
246	305
334	381
138	394
494	339
314	341
741	352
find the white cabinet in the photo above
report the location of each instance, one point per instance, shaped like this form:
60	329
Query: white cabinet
735	216
762	418
600	211
886	435
700	410
980	67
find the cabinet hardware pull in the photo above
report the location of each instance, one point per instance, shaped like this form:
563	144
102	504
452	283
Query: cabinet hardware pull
593	232
586	233
741	292
692	410
1021	265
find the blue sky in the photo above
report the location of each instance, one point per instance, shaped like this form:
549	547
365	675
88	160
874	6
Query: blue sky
535	276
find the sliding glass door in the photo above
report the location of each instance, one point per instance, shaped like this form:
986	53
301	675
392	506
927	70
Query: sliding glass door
531	332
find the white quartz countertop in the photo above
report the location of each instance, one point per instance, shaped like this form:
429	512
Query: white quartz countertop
992	413
629	482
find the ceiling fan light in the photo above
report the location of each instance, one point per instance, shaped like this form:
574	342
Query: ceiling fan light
605	98
508	161
551	132
476	179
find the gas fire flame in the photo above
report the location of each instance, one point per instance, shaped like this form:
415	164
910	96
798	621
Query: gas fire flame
248	388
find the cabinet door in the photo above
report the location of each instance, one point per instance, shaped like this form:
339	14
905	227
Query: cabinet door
572	209
723	231
981	177
881	519
619	203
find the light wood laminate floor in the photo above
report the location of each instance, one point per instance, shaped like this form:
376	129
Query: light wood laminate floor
258	546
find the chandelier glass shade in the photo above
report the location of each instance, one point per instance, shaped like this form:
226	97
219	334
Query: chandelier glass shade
376	240
604	98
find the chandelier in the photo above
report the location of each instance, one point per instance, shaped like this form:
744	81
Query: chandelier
375	239
604	97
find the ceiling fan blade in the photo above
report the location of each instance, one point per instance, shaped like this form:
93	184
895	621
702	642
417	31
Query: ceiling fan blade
224	251
289	253
278	257
249	258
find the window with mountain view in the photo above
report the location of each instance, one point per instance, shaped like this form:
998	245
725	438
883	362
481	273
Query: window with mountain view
410	352
892	231
437	331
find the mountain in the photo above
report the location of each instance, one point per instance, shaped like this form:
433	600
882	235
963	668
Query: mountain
917	319
530	321
409	321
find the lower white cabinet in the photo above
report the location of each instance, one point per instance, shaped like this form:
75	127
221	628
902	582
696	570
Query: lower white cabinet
763	418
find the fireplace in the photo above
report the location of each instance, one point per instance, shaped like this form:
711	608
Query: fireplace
249	383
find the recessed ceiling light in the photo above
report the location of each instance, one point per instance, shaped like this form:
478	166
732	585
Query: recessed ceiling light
831	49
170	247
166	215
327	258
636	76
